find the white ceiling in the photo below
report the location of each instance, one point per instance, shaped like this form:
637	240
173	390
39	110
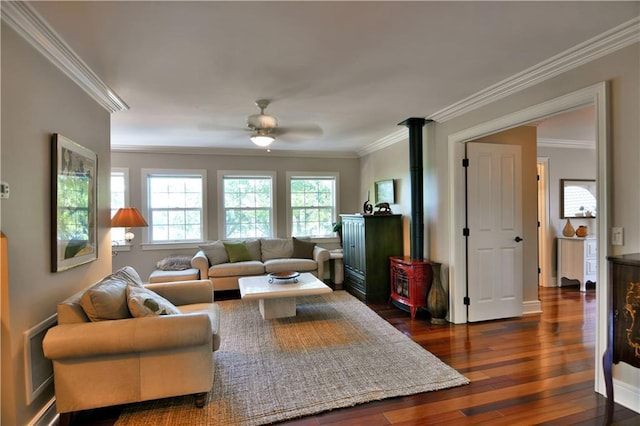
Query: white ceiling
191	71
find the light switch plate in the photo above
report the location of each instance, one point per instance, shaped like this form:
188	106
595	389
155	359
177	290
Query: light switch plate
617	236
4	190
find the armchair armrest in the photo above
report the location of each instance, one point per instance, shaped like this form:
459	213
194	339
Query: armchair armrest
184	292
321	255
129	335
201	261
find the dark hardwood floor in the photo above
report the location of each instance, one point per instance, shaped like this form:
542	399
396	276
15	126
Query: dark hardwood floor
537	369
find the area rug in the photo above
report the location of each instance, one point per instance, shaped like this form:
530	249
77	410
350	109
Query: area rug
336	352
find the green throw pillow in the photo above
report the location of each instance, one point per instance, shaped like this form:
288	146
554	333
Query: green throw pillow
237	251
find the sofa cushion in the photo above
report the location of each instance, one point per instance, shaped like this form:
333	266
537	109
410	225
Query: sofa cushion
129	275
237	251
216	252
303	249
238	269
276	248
174	263
143	302
282	265
254	247
106	300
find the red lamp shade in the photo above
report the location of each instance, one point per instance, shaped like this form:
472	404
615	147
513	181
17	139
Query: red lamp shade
128	217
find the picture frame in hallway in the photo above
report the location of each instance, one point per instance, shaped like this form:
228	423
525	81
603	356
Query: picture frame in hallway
578	198
73	204
385	191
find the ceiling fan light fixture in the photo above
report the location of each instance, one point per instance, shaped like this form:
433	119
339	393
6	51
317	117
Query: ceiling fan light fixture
261	137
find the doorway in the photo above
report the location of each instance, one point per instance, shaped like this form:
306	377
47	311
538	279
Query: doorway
595	95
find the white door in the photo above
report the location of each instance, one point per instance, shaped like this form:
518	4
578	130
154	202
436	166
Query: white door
494	222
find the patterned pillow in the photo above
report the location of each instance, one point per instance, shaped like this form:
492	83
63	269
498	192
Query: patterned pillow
143	302
174	263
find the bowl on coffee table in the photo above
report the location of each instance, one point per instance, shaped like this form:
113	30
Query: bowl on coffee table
284	276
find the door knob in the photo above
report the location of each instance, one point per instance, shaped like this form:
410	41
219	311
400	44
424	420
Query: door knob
517	239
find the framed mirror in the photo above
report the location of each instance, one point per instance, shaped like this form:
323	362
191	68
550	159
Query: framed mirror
578	198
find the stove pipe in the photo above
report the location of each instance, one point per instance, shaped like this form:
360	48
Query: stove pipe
416	231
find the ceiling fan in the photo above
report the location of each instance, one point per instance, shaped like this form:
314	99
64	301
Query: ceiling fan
264	127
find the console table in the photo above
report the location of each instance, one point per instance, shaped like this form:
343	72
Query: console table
623	331
577	260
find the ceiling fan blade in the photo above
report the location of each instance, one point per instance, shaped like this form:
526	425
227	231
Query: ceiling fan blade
309	130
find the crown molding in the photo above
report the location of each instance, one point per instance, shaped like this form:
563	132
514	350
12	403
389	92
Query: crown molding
566	143
258	152
393	138
601	45
23	19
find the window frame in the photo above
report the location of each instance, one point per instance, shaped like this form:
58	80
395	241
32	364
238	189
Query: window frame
222	174
147	243
120	245
310	175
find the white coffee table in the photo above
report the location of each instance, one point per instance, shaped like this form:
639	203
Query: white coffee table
277	299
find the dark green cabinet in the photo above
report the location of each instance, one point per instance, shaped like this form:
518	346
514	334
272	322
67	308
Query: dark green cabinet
368	241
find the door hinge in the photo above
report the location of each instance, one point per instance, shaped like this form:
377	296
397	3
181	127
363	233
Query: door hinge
538	224
467	301
539	270
538	177
465	232
465	162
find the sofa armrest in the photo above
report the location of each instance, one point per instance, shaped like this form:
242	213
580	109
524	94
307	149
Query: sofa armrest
184	292
201	261
321	255
131	335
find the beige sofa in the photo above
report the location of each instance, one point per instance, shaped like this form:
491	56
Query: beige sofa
216	262
103	355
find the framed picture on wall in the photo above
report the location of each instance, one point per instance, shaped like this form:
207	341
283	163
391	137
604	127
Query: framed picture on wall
73	204
385	191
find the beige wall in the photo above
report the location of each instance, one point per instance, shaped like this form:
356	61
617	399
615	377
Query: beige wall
145	258
37	100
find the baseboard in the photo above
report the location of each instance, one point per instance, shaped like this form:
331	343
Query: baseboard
47	416
531	307
626	395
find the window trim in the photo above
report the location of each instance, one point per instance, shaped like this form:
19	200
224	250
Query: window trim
311	175
120	245
249	174
146	243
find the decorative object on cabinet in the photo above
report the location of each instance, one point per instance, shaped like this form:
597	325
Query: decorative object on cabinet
367	208
581	231
383	208
568	230
73	204
437	300
368	242
577	198
410	283
385	191
623	331
577	260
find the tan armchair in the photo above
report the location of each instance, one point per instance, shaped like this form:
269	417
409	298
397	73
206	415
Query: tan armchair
116	361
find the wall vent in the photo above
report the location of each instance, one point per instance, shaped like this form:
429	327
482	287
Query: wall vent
38	369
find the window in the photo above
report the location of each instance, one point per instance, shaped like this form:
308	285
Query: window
313	204
119	198
175	205
247	204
